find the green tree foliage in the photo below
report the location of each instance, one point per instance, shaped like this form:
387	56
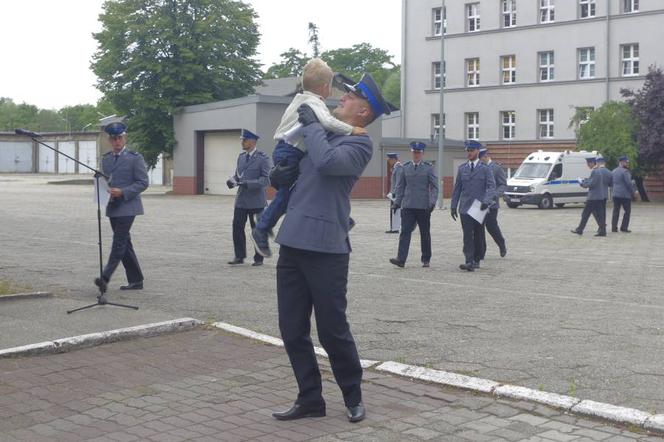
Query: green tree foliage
14	115
313	39
291	65
158	55
611	130
392	87
647	105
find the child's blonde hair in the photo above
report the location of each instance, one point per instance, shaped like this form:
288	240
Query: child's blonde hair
316	73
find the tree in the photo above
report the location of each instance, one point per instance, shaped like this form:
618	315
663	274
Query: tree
361	58
647	105
291	65
392	88
155	56
313	39
611	130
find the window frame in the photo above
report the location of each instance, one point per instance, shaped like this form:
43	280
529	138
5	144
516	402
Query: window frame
547	7
548	124
474	126
591	7
549	68
510	70
591	64
510	125
630	6
440	24
435	128
473	19
508	15
436	77
475	73
632	60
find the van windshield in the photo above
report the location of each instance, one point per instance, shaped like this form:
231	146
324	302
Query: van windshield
533	170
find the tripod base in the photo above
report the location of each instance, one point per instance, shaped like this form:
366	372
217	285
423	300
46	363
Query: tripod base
101	300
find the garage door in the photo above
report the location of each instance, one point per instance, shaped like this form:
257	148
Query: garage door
65	165
220	159
46	158
16	156
87	154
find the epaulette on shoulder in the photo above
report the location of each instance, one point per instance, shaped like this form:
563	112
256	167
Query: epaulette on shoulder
261	153
407	163
133	153
428	163
107	153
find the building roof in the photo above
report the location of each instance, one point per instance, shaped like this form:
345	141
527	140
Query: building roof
280	87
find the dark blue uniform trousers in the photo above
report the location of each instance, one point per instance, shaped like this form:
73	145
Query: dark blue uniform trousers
595	208
491	225
472	238
626	204
239	237
409	218
307	280
122	250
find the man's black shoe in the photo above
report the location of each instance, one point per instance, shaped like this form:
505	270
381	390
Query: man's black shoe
476	264
298	411
261	243
626	231
257	264
467	266
425	264
503	251
391	231
356	413
578	232
397	263
102	284
614	230
600	234
236	261
132	286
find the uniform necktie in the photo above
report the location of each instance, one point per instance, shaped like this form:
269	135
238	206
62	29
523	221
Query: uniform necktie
246	160
472	167
115	157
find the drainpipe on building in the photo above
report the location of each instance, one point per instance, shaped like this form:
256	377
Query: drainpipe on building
402	129
441	118
608	49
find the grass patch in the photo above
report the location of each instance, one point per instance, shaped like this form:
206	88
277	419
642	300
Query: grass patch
9	288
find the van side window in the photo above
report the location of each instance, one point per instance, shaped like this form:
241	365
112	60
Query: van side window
557	172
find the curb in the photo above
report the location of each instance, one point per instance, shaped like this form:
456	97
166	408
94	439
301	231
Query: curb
122	334
31	295
611	413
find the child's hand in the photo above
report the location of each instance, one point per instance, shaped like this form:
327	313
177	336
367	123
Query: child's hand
358	131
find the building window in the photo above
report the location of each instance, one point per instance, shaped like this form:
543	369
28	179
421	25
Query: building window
545	118
630	60
508	124
586	63
509	13
587	8
436	75
546	66
631	6
472	126
473	72
508	63
435	125
439	22
473	16
547	11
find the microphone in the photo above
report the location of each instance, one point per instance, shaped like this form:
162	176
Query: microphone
28	133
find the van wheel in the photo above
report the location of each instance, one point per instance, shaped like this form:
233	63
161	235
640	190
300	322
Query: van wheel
560	205
513	205
546	203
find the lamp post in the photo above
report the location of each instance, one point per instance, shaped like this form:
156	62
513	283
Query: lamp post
441	118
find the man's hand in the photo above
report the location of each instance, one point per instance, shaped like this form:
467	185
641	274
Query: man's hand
358	131
394	206
454	213
116	192
230	183
483	206
306	115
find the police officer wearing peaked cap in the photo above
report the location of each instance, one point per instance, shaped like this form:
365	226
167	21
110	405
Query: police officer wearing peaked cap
128	178
251	179
491	220
598	189
416	195
623	192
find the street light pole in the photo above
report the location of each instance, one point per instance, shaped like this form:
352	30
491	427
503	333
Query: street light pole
441	117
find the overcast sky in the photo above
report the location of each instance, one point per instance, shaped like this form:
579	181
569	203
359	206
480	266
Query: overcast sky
46	45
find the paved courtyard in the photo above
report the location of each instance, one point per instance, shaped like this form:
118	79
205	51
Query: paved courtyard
561	313
204	385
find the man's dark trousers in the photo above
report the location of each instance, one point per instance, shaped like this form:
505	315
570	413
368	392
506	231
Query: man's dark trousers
123	251
600	215
239	237
409	218
307	280
626	204
472	238
491	224
592	207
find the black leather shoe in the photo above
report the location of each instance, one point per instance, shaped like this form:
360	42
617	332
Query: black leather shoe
397	263
578	232
257	264
102	284
356	413
467	266
626	231
425	264
236	261
132	286
391	231
600	234
261	243
614	230
503	251
298	411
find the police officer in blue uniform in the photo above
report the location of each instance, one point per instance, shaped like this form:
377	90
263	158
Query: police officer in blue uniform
623	192
598	189
607	181
128	178
312	270
251	179
474	181
416	195
491	220
395	212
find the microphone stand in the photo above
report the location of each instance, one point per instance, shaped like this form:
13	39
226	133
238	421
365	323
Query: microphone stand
101	298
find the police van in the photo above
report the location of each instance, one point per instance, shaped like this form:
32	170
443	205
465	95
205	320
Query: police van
546	179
